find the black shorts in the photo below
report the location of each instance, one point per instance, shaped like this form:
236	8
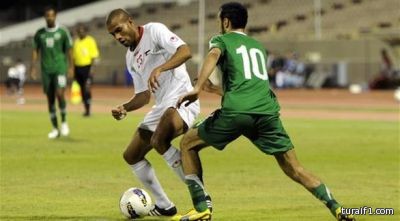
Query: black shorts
13	82
82	74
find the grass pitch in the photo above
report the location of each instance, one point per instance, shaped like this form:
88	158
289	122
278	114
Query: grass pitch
82	177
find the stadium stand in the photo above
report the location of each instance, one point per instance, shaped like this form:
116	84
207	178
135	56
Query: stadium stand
349	34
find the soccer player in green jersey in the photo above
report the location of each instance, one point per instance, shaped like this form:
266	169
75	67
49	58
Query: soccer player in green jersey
249	108
53	43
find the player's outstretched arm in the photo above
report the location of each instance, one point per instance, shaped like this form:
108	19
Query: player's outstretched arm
137	101
189	98
118	112
208	66
33	69
70	73
181	55
212	88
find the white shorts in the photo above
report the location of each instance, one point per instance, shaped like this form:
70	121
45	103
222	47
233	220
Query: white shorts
188	114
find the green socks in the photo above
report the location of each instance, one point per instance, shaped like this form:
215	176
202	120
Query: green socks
197	192
53	119
62	104
53	116
322	193
63	115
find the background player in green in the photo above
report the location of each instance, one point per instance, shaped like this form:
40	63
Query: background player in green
249	108
53	43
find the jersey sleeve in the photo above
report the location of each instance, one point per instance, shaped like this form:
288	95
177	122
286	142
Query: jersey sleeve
165	38
217	42
67	39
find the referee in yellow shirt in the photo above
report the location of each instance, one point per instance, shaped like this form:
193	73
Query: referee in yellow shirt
85	53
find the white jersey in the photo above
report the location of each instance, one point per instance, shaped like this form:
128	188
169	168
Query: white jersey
155	47
17	71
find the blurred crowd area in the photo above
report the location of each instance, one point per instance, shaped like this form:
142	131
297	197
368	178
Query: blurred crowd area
288	70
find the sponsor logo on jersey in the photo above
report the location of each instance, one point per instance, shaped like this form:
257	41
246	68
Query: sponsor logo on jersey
49	42
139	61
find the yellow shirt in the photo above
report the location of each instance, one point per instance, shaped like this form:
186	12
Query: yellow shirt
84	50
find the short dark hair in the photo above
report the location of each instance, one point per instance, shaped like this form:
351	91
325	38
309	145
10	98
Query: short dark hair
49	8
235	12
119	12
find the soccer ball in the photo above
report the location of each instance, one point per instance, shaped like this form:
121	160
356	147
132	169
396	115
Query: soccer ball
135	203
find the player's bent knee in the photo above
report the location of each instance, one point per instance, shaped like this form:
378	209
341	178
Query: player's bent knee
127	157
191	141
154	141
183	145
131	158
186	143
159	144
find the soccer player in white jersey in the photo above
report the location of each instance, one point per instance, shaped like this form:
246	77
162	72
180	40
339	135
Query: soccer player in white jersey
155	58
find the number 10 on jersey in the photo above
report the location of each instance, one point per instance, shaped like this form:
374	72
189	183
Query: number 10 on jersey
251	60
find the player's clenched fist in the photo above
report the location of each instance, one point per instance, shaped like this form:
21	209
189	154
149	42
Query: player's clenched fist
119	112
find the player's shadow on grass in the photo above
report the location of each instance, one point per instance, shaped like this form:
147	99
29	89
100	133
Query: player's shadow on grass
88	218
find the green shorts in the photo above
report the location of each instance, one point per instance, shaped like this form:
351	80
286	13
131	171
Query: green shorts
51	82
264	131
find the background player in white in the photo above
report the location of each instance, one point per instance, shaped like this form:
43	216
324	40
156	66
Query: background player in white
155	58
15	80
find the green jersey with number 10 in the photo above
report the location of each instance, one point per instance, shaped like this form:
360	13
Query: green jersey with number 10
244	75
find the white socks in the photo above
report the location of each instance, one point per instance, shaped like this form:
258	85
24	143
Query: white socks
145	172
173	158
